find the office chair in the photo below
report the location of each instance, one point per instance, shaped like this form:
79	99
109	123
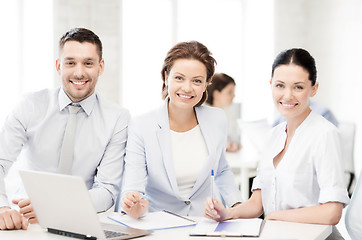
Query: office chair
353	219
347	131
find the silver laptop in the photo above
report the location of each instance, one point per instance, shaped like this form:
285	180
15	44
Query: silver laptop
63	206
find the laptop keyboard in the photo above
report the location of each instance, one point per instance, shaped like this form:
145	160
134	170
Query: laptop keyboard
112	234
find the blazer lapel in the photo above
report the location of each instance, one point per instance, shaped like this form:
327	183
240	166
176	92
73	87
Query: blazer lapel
164	140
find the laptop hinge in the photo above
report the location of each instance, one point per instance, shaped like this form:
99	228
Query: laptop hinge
70	234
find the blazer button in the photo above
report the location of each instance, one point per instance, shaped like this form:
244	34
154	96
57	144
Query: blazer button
187	202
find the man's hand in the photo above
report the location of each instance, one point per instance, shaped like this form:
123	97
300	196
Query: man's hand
12	219
26	209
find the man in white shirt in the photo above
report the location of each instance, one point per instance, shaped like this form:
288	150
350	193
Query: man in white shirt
36	128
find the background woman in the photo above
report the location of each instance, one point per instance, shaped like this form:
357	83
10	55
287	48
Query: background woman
171	151
221	93
300	176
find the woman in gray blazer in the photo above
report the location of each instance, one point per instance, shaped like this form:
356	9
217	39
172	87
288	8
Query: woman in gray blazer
171	152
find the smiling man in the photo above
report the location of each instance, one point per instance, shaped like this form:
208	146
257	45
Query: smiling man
38	128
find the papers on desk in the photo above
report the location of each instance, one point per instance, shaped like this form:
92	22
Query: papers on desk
153	221
230	228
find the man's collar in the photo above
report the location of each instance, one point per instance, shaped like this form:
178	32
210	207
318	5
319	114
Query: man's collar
87	104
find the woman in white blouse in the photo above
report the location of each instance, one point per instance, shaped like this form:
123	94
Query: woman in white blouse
300	175
171	151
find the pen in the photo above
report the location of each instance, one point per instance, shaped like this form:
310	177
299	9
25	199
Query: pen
212	183
178	215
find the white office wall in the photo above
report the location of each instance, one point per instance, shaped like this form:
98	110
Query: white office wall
102	17
331	30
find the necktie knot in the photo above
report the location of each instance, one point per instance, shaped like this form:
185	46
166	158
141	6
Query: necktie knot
73	109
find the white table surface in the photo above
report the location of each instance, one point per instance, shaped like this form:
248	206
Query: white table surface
272	230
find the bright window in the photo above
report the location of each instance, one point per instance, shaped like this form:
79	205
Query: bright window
10	60
237	32
27	50
146	38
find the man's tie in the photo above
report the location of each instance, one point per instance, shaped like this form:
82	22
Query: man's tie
66	154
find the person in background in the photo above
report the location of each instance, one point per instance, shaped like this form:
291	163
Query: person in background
172	151
221	93
300	175
37	127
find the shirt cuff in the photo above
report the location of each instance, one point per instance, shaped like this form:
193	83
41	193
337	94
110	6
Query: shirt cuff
4	201
102	199
334	194
256	184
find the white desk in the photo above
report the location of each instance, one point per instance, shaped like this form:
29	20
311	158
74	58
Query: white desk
272	230
244	166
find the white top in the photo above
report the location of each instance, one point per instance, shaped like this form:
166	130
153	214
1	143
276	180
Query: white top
188	149
310	172
36	129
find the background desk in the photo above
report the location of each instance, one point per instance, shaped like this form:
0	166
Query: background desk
243	165
272	230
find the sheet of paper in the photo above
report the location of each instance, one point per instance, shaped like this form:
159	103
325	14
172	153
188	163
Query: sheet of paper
235	227
153	221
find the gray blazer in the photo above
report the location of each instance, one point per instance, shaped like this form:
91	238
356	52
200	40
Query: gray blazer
149	167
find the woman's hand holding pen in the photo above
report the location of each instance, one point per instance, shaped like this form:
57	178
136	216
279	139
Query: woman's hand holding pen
134	205
215	210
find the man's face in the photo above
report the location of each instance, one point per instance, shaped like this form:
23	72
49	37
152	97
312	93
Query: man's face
79	67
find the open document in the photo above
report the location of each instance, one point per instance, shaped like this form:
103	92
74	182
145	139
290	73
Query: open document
230	228
153	221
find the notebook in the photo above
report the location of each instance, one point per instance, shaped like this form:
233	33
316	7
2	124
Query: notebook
230	228
63	206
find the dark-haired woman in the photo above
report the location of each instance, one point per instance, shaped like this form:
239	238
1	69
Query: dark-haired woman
300	175
221	93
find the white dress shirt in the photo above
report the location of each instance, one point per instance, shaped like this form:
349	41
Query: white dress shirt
310	172
36	129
